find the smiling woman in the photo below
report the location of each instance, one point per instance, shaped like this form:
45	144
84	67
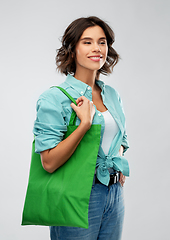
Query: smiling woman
65	58
86	52
91	50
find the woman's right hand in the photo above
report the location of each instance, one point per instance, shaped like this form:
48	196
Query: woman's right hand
85	110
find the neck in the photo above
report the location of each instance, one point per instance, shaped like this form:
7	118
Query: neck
87	77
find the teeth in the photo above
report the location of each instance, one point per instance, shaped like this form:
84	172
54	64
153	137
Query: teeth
95	57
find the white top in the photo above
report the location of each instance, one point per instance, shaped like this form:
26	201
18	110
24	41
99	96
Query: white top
111	129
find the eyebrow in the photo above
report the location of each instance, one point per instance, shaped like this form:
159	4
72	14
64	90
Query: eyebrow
88	38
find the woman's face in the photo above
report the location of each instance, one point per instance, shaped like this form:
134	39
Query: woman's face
91	49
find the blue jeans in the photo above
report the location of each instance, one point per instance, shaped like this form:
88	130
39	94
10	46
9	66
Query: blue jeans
106	214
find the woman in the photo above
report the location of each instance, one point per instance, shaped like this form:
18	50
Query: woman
85	53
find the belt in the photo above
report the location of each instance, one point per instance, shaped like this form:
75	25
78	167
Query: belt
114	178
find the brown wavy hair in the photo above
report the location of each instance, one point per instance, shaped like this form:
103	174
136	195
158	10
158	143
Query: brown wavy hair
65	58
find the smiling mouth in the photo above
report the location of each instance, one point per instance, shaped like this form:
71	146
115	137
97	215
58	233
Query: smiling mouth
95	58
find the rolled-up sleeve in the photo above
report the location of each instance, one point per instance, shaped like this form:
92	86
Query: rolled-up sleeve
125	142
49	126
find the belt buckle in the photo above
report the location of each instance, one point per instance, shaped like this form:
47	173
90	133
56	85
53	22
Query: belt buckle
114	177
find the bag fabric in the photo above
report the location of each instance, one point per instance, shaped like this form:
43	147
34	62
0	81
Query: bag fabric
62	198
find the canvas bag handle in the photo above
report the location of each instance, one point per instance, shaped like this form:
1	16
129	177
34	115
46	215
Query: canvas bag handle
73	115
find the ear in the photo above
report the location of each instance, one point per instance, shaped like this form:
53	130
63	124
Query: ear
73	55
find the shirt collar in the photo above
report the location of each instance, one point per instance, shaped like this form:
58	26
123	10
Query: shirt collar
80	86
101	84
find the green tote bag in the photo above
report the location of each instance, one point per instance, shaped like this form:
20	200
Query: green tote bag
62	198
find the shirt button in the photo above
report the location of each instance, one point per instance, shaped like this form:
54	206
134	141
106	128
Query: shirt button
99	114
81	92
88	88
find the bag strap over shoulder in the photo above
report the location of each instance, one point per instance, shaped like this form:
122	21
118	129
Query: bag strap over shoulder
68	95
73	115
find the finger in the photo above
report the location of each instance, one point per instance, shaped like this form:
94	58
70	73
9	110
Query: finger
122	179
121	176
80	103
74	107
82	98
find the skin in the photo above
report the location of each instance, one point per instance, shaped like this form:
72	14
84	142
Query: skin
91	54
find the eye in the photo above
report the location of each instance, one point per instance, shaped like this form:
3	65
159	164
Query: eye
87	42
102	43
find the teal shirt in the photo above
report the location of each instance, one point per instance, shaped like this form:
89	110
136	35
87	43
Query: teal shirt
53	115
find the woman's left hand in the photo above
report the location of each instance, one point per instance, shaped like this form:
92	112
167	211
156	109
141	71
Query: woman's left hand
122	179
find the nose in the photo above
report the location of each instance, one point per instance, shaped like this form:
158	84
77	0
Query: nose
96	47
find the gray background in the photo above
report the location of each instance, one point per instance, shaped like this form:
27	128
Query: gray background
30	32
